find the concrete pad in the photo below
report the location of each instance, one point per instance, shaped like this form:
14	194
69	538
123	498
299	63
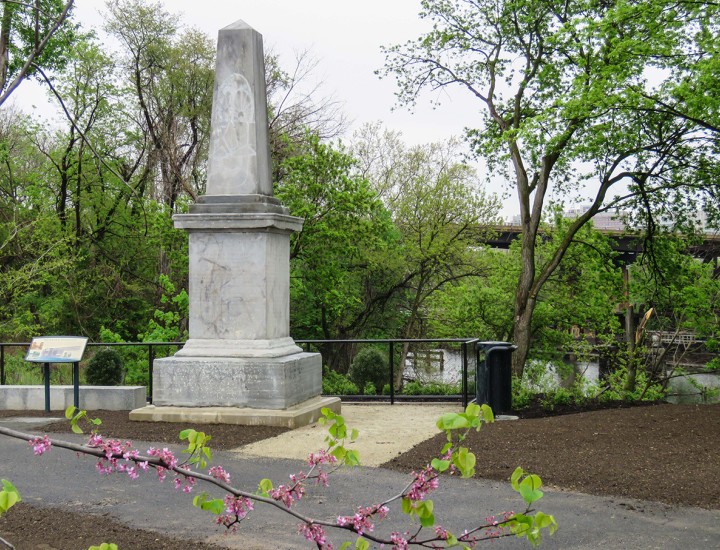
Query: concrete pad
385	432
293	417
109	398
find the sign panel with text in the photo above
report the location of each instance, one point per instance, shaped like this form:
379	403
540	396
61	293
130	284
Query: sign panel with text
56	349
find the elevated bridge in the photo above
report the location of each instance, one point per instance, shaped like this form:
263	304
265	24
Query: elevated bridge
628	245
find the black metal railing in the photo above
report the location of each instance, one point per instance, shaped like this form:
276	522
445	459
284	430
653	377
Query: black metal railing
151	352
468	347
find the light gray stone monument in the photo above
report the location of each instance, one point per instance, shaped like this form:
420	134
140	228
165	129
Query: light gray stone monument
240	364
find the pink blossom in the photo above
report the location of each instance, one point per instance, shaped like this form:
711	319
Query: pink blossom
315	533
165	456
219	473
236	509
322	457
399	542
39	445
425	482
360	522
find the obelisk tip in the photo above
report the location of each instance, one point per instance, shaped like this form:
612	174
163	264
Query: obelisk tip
237	25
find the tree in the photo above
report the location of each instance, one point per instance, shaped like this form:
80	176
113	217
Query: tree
296	108
32	34
171	76
439	209
341	248
562	87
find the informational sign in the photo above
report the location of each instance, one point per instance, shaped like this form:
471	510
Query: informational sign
56	349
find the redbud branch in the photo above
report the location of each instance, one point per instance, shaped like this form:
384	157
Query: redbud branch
157	462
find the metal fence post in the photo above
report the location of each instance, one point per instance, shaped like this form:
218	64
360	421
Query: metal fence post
392	374
76	385
151	360
464	375
2	365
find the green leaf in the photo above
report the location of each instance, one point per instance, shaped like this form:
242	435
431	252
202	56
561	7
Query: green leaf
465	462
76	429
345	545
70	411
265	486
352	458
487	414
407	505
354	434
185	434
530	489
473	409
452	421
424	511
215	506
362	544
440	465
515	477
7	500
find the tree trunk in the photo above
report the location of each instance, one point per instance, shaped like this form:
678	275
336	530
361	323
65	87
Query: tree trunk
521	338
5	27
630	383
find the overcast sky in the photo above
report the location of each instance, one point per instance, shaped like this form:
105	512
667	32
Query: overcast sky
345	37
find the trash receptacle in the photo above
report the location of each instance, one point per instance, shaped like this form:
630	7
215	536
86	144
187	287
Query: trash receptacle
493	384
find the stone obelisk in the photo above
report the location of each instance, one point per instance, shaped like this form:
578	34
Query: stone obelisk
240	364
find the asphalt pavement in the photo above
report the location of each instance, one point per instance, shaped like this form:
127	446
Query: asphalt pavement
62	479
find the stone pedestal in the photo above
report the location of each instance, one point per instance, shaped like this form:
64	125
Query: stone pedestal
239	353
240	356
271	383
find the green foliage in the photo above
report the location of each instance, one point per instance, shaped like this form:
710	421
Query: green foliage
105	368
473	418
9	496
213	505
431	388
522	394
167	323
338	436
334	383
104	546
75	415
713	365
36	38
198	449
343	244
370	365
369	388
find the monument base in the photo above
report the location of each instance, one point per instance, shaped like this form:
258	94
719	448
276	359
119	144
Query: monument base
255	382
293	417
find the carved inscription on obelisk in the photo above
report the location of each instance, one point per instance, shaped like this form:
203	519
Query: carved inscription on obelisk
239	162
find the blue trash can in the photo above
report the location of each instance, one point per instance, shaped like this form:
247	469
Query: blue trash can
493	378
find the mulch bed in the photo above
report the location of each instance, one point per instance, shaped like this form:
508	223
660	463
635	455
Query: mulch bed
667	453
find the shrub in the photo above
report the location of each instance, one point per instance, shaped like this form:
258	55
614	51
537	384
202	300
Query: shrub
433	388
369	389
335	383
521	394
105	369
713	365
369	365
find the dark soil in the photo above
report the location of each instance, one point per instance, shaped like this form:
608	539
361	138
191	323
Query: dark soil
667	453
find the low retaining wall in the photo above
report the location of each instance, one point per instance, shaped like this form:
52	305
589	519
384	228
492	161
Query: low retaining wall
109	398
